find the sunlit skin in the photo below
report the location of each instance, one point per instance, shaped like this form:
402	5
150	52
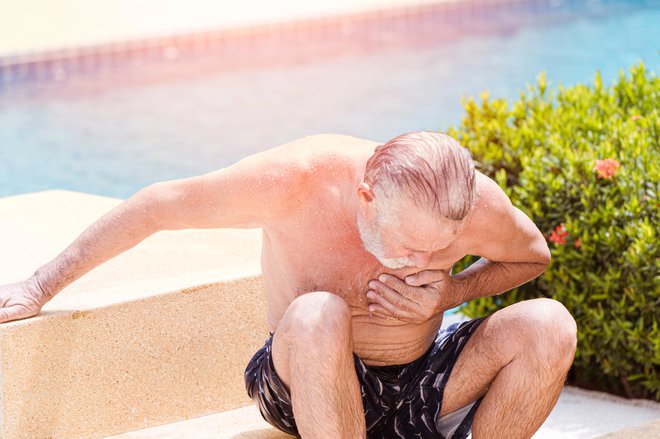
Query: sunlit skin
322	284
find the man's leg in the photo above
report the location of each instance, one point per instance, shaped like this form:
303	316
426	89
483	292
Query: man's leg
313	357
518	358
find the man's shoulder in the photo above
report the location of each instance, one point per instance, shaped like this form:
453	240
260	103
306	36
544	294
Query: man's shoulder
492	210
332	140
490	195
295	170
319	157
502	232
323	147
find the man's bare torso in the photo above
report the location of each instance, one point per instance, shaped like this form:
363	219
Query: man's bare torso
317	247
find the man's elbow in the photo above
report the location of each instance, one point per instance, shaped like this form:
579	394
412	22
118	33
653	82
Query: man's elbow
153	202
544	255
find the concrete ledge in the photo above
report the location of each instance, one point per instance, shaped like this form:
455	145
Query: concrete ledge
159	334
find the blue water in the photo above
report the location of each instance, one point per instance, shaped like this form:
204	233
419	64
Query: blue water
114	135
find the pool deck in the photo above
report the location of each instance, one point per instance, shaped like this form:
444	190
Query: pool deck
246	422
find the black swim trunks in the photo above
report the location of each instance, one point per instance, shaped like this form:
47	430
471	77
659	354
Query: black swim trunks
400	401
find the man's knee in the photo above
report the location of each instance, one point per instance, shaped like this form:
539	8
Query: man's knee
317	317
315	324
549	331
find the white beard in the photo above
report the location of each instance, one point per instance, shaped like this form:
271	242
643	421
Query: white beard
373	244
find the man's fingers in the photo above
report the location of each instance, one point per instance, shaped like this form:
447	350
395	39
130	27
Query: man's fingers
379	302
13	312
393	296
426	277
399	286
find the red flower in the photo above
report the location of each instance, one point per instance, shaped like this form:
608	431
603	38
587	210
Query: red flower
577	243
558	236
606	168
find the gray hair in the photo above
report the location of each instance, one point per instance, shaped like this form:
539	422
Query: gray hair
429	168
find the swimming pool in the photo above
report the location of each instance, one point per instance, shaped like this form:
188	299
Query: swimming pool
116	134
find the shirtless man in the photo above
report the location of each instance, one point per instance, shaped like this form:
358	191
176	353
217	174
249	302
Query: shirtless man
358	244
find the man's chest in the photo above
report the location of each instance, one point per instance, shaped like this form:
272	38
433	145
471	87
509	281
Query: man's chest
303	259
321	256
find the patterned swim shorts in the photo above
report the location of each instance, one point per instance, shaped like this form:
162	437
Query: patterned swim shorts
400	401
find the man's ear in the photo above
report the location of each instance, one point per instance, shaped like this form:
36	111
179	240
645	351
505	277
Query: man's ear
365	192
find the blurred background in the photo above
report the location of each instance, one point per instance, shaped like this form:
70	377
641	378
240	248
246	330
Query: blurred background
108	96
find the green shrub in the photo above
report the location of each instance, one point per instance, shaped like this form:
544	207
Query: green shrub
542	150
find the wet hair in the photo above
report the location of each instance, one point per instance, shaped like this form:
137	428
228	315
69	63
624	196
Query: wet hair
429	168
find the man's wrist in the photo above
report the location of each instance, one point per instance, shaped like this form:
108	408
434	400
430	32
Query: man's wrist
36	285
460	287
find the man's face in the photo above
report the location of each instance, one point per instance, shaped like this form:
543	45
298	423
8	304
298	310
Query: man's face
370	233
400	234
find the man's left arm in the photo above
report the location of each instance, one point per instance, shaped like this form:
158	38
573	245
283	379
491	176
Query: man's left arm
512	252
515	256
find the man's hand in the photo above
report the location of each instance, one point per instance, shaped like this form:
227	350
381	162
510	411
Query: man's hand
422	297
20	300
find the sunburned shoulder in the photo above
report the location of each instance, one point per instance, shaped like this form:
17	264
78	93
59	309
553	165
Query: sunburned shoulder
324	148
294	171
322	155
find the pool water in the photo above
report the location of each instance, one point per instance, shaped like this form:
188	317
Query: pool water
115	134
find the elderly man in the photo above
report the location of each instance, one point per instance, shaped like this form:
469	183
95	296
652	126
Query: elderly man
358	244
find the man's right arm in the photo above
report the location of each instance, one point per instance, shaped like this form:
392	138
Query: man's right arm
248	194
